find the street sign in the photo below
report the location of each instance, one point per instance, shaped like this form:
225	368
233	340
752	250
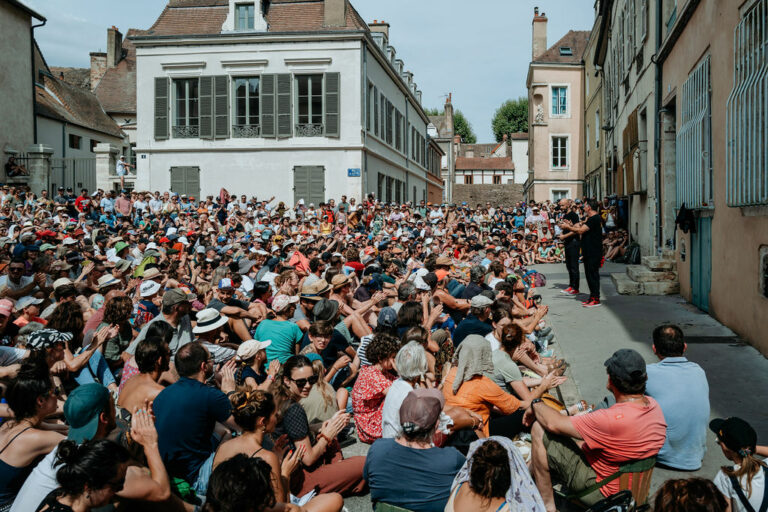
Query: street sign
353	173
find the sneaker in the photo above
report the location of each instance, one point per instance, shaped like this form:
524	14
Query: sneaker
544	332
592	303
567	291
573	292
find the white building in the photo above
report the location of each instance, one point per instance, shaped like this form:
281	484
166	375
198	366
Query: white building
297	100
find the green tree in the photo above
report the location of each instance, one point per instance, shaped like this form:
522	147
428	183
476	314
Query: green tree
460	124
510	117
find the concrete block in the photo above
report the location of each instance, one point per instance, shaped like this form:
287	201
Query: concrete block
661	288
668	254
643	274
624	285
658	264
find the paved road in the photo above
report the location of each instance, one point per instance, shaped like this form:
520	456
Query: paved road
737	373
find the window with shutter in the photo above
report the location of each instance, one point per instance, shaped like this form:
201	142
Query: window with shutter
375	111
284	105
186	120
267	105
245	117
221	106
332	105
161	108
309	105
206	107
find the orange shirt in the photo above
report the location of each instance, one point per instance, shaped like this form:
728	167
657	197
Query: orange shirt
622	433
480	395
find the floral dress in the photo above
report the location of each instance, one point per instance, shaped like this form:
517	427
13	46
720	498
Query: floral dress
368	401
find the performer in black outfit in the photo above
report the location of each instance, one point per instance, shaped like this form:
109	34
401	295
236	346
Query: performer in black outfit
571	241
591	231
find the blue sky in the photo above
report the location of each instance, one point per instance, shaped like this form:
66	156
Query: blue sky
479	51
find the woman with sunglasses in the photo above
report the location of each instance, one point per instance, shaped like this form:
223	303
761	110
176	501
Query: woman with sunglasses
89	476
324	467
23	441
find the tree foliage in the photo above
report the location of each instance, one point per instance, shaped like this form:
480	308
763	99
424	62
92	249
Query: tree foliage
510	117
460	124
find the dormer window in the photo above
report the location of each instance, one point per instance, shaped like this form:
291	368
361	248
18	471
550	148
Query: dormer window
566	51
244	16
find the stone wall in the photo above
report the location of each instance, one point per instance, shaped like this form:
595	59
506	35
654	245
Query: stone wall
498	195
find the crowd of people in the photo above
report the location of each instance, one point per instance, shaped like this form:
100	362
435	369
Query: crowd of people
165	352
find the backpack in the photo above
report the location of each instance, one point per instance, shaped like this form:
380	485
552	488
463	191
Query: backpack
632	255
535	279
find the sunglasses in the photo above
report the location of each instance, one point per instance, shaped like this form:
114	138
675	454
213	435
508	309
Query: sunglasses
300	383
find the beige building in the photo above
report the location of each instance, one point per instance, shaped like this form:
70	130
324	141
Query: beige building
17	117
556	111
623	50
441	130
714	151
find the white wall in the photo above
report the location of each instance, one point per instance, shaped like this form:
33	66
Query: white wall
49	132
519	154
16	115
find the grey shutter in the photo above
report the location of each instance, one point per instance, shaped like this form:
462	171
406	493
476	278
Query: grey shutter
206	107
161	108
178	179
192	182
317	184
301	184
332	112
267	105
284	105
221	106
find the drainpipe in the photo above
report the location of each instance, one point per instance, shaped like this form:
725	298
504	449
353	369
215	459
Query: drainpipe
364	172
657	134
34	78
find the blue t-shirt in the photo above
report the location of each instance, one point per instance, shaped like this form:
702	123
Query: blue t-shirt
681	389
185	415
284	335
470	325
418	480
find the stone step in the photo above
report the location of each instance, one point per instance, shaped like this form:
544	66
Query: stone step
658	264
661	288
643	274
668	254
624	285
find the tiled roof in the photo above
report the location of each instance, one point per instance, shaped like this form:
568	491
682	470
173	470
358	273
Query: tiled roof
479	163
197	3
79	77
65	102
117	88
175	21
576	40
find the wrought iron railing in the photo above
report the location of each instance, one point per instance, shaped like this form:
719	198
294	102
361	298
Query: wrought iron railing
246	130
186	132
310	130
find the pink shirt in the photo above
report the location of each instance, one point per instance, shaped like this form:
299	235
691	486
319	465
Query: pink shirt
625	432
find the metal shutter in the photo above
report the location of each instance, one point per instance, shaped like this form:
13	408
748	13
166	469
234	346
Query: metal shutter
267	105
161	108
309	184
332	107
221	106
206	107
284	117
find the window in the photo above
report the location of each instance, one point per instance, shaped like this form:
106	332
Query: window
244	17
369	114
566	51
559	101
75	141
467	179
693	156
746	163
309	103
398	131
389	121
643	19
558	194
497	180
587	132
247	119
560	152
186	119
375	111
390	186
597	128
93	145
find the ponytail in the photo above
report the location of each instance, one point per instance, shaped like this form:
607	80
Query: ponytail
748	466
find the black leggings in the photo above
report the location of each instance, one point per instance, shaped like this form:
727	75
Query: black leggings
507	426
572	264
592	272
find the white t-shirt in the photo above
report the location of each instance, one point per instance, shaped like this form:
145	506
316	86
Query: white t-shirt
38	484
723	483
390	413
495	343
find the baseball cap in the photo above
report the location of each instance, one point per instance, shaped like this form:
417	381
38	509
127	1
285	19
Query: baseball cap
627	364
149	288
225	283
420	410
387	317
281	302
6	307
736	434
176	296
480	301
82	409
250	348
46	338
26	302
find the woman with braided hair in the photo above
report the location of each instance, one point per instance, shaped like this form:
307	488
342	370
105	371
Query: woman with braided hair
744	483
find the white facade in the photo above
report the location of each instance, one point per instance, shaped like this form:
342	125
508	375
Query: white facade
518	150
71	141
267	166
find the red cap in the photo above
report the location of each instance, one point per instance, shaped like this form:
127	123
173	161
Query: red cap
164	240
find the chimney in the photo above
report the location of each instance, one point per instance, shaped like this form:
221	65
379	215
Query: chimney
98	67
335	13
457	139
448	110
539	33
381	27
114	47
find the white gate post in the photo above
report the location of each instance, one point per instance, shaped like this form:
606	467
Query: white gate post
106	159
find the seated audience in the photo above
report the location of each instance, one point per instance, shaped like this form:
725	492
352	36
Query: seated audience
745	483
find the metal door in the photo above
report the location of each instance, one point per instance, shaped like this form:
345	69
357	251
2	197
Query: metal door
701	263
77	173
